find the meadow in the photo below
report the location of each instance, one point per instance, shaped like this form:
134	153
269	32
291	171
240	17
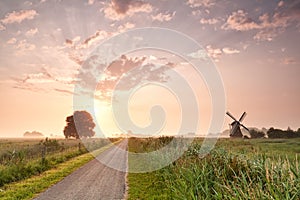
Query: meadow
234	169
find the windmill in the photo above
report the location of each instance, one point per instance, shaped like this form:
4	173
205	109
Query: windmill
236	126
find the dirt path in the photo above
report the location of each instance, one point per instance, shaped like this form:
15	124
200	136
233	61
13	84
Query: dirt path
94	180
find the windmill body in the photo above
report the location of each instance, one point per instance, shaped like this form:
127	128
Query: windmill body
237	133
235	130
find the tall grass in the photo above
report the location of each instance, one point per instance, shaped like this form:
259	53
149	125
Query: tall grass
26	161
222	175
225	173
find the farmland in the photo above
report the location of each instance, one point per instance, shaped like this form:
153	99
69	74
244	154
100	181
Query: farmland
235	169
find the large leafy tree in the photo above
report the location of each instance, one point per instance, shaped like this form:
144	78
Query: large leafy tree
80	124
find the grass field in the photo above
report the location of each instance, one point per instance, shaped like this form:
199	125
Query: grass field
23	158
31	187
235	169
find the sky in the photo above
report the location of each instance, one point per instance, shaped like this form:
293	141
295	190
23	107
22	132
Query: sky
47	47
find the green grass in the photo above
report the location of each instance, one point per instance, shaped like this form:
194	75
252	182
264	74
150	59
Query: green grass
32	157
235	169
30	187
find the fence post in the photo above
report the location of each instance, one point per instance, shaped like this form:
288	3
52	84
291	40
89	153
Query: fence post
44	150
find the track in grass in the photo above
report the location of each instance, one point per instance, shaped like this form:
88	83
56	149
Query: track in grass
94	180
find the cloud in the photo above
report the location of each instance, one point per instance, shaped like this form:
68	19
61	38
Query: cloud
280	3
196	12
288	61
200	3
43	76
124	64
65	91
228	50
28	3
268	26
72	42
130	70
23	45
12	41
266	35
2	28
99	35
209	21
31	32
45	80
134	71
88	42
240	21
163	17
28	86
214	53
79	47
18	17
125	27
200	54
119	9
91	2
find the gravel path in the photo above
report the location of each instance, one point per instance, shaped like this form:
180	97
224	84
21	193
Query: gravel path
94	180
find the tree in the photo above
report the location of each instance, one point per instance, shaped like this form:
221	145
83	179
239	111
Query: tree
278	133
256	133
80	124
33	134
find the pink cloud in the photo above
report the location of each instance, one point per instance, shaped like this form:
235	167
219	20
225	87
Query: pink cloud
91	2
119	9
125	27
200	3
228	50
43	80
23	45
2	28
280	3
209	21
12	41
268	26
163	17
214	53
31	32
240	21
18	17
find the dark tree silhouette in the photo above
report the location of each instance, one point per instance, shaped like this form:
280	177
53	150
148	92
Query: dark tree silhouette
70	130
256	134
80	124
278	133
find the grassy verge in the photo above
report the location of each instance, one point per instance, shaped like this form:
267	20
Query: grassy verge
235	169
30	187
20	162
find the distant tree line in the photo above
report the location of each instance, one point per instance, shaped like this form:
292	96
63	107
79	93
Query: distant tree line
275	133
33	134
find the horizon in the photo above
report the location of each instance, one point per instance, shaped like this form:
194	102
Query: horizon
223	134
253	45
